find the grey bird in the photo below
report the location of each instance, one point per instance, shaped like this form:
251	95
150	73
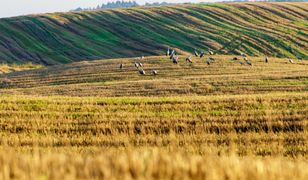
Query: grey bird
245	59
249	63
243	55
211	59
175	60
140	64
196	53
299	58
291	61
235	58
188	59
121	66
241	63
168	52
154	72
211	52
136	65
201	54
172	54
207	62
141	71
266	59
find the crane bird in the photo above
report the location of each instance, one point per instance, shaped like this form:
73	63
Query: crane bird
136	65
249	63
245	59
121	66
168	52
241	63
299	58
291	61
154	72
140	64
196	53
235	58
211	52
266	59
201	54
188	59
141	71
207	62
243	55
172	54
211	59
175	60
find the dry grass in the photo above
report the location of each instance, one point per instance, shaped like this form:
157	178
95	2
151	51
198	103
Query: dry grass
152	164
7	68
223	121
265	125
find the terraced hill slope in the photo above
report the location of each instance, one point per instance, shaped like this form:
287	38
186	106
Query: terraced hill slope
276	29
105	78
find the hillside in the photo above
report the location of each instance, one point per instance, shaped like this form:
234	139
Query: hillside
275	29
105	78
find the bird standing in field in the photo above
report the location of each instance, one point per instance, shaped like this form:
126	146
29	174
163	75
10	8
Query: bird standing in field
291	61
121	66
188	59
235	59
154	72
141	71
243	55
196	53
175	60
172	54
249	63
136	65
266	59
207	62
299	58
241	63
168	52
211	52
140	64
201	54
211	59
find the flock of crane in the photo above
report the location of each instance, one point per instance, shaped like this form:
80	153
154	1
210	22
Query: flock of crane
175	59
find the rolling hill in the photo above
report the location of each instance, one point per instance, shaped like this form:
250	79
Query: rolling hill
104	78
274	29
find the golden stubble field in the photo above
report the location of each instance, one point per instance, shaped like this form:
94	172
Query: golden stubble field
92	120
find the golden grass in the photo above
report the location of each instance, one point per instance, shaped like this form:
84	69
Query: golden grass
265	125
150	164
223	121
7	68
